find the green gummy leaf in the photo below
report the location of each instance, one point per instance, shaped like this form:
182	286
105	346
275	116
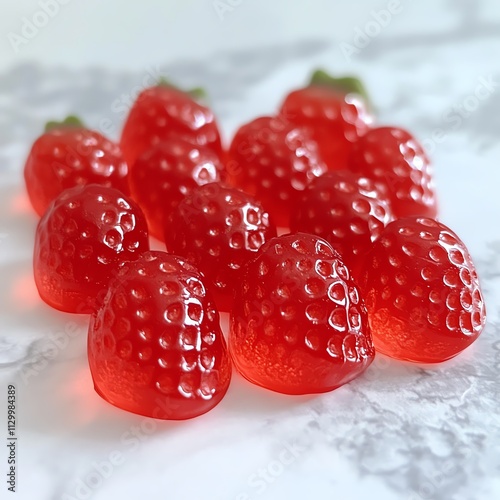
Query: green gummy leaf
163	82
70	121
346	84
198	93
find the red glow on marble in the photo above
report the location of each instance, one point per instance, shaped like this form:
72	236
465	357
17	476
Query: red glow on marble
78	390
20	204
24	293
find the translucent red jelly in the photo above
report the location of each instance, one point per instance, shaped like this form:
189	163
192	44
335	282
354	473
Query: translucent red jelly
155	346
299	325
422	292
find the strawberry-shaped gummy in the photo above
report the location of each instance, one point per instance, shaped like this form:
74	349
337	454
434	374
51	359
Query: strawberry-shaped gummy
422	292
397	161
299	324
274	160
69	155
155	346
164	174
80	240
162	112
335	113
345	209
218	229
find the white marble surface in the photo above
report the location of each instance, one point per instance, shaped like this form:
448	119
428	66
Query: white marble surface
400	431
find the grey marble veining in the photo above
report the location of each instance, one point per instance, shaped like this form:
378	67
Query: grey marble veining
400	431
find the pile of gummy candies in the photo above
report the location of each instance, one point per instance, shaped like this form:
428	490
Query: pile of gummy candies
363	264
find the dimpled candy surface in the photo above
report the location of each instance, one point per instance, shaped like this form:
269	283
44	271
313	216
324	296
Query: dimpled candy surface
219	229
162	112
299	324
155	346
422	292
274	160
80	241
164	174
346	210
335	120
394	158
67	157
